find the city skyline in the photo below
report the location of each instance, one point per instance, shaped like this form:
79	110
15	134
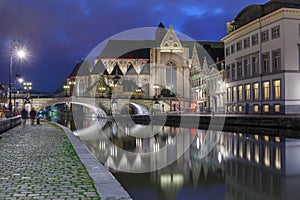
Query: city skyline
60	33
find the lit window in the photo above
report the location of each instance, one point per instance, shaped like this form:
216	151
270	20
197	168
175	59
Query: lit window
234	94
229	94
265	36
256	137
276	85
256	91
266	90
240	108
247	92
228	108
276	32
240	93
233	108
266	138
255	108
277	139
277	108
266	108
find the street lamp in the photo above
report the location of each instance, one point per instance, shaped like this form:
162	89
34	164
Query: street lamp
14	46
102	90
27	86
66	87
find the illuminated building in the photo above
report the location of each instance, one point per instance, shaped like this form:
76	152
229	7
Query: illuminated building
262	59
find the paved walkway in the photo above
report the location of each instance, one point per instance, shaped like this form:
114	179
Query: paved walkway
39	162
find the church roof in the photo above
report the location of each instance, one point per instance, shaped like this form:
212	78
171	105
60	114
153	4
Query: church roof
81	68
127	49
116	70
99	68
131	70
146	69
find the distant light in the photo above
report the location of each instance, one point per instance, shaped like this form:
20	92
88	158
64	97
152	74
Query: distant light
21	80
21	53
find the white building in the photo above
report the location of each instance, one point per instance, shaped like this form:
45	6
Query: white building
262	59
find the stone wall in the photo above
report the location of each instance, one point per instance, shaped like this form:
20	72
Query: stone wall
9	123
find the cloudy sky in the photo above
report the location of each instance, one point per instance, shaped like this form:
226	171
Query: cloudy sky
58	33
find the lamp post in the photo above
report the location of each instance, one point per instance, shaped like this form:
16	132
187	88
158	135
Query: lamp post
15	45
18	80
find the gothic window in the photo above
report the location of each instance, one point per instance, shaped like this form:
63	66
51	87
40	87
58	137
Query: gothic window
171	76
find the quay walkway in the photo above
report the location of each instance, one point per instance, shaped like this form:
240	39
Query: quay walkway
48	162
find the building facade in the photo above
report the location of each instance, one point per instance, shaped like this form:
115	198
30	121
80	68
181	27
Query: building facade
150	66
207	81
262	65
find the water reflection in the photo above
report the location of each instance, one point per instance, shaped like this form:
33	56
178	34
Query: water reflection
217	165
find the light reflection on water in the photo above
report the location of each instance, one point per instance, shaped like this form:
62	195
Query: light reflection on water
217	165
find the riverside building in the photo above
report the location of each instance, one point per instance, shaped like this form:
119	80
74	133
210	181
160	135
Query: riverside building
262	59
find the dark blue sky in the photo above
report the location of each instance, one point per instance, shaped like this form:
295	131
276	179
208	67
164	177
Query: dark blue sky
58	33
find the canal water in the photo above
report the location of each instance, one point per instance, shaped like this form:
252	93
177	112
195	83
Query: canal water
200	164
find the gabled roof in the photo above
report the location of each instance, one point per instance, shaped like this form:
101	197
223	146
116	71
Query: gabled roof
127	49
131	70
81	68
116	70
99	68
146	69
212	50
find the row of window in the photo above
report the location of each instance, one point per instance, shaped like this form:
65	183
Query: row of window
245	43
251	92
265	108
248	66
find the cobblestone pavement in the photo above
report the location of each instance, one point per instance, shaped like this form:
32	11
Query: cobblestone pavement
39	162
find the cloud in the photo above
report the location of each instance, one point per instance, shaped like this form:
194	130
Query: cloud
60	32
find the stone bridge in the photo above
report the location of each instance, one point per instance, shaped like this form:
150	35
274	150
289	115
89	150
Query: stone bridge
139	106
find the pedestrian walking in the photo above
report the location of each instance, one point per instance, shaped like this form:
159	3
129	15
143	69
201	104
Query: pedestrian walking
32	115
24	115
40	115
